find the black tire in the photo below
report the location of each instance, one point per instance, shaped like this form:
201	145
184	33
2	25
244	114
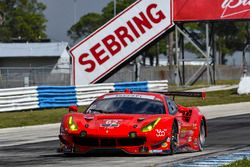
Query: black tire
174	139
202	136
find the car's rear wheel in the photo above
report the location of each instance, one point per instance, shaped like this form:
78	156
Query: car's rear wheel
174	139
202	136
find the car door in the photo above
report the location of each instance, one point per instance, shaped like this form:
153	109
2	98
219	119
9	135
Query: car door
185	127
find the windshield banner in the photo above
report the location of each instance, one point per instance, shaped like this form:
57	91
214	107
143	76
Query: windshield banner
197	10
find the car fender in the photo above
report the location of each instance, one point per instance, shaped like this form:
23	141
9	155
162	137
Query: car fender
197	118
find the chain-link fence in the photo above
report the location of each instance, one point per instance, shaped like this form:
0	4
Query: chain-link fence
20	77
222	72
31	76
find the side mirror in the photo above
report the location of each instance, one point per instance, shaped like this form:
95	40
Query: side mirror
186	112
73	108
182	109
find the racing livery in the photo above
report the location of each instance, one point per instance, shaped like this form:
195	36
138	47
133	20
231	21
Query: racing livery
136	123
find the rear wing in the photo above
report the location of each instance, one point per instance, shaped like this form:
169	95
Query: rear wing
185	94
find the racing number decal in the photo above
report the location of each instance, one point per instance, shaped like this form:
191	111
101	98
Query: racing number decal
111	123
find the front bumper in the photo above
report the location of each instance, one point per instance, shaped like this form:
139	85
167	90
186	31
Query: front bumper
137	145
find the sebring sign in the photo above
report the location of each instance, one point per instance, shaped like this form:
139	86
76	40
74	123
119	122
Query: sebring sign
119	39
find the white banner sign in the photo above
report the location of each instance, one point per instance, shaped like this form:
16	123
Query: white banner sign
119	39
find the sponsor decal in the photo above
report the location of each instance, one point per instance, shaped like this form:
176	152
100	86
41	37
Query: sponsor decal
185	132
190	139
155	151
195	125
130	95
160	132
164	145
158	99
111	124
198	10
234	7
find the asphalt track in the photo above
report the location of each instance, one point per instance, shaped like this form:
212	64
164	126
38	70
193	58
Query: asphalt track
225	134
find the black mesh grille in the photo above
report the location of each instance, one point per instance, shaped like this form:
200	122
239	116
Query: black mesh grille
108	142
86	141
131	142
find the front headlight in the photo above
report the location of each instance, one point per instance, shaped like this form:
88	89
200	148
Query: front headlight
72	125
151	125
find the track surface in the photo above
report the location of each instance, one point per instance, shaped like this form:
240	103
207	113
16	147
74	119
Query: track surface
225	134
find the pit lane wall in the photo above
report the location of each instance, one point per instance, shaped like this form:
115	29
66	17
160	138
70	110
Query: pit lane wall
38	97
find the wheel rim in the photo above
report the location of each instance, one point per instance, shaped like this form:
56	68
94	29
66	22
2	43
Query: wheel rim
202	135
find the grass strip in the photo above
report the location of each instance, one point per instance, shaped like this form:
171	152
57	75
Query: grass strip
240	163
213	98
36	117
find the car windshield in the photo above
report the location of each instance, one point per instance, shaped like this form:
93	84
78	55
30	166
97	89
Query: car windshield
125	105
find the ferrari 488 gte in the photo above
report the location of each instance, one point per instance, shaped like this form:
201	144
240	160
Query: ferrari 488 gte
136	123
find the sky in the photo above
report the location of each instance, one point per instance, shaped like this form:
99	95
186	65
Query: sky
61	15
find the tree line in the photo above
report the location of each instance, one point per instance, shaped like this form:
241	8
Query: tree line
22	20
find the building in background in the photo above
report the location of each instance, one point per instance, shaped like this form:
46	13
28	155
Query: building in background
28	64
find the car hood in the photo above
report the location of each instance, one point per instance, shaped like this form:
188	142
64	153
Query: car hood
116	124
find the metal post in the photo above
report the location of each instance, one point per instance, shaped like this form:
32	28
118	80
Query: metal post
208	53
177	77
137	67
169	52
244	61
138	71
135	71
213	51
183	57
191	41
246	48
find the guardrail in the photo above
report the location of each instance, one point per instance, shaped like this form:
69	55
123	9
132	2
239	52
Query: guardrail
27	98
18	99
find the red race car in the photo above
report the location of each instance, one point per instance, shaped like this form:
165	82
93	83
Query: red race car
135	122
